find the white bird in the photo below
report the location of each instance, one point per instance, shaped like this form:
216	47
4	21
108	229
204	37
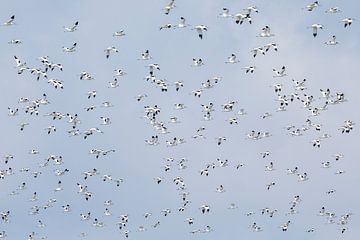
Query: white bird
265	32
347	22
70	49
145	55
86	76
105	120
240	17
333	10
109	50
220	140
114	83
303	177
250	69
178	85
73	28
205	208
285	226
271	45
120	72
152	67
120	33
19	64
200	30
257	50
197	62
169	6
280	73
269	185
225	13
166	26
332	41
91	94
312	6
182	23
15	41
251	9
315	27
10	22
12	112
232	59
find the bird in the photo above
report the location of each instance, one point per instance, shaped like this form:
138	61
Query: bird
169	7
73	28
166	26
257	50
15	41
280	73
200	30
220	140
109	50
266	32
225	13
105	120
312	6
13	112
91	94
332	41
315	27
182	23
197	62
284	227
268	186
205	208
114	83
70	49
240	17
152	67
145	55
9	22
271	45
333	10
347	22
232	59
120	33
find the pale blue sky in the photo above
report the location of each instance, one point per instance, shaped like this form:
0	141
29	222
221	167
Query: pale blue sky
39	24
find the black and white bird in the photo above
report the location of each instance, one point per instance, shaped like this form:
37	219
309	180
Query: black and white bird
240	18
280	73
266	32
9	22
182	23
332	41
145	55
109	50
73	28
315	27
15	41
347	22
249	69
312	6
232	59
70	49
120	33
333	10
200	30
169	7
197	62
225	13
257	50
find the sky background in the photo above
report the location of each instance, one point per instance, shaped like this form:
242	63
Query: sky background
39	25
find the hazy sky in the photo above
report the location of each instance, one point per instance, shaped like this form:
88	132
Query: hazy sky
40	27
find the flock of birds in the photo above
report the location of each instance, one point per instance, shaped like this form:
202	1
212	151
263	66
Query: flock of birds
161	125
